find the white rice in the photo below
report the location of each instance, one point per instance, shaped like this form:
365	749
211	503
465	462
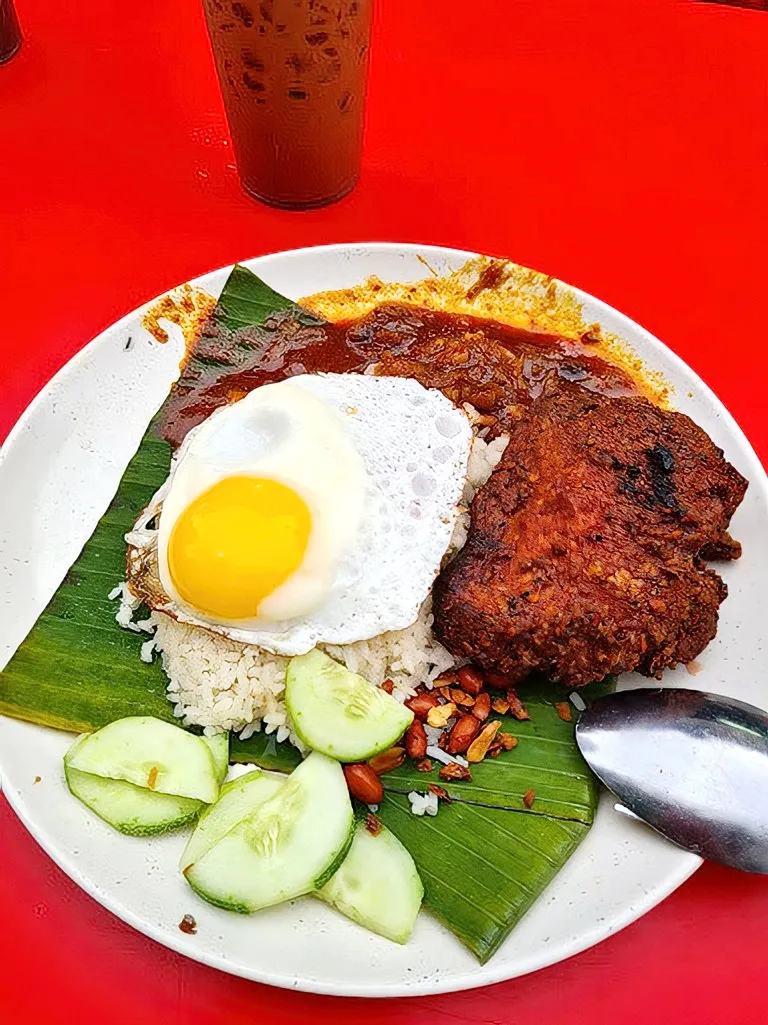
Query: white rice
220	684
146	649
433	734
433	751
423	804
578	702
128	605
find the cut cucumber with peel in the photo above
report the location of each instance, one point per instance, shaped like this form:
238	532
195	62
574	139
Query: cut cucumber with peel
218	745
238	799
130	809
377	885
290	845
339	713
150	753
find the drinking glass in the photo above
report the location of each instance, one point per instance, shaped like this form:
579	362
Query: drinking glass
293	76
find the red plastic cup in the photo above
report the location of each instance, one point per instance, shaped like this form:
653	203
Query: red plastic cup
293	76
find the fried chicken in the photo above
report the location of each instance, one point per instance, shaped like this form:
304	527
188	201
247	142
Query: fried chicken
586	551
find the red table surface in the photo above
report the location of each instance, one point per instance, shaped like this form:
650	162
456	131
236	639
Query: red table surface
622	146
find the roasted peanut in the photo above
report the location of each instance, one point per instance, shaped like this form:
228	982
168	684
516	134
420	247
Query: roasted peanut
507	741
482	706
529	797
416	740
447	679
363	783
470	680
460	697
440	792
455	773
420	704
516	707
388	686
500	705
463	732
387	760
478	749
438	715
563	710
372	824
425	765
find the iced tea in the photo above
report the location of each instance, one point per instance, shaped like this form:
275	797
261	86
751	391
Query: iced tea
293	76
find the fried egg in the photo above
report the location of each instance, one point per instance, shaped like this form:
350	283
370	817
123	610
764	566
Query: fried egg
261	506
315	510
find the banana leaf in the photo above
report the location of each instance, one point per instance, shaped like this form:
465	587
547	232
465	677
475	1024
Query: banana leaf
482	867
77	670
545	760
246	300
484	858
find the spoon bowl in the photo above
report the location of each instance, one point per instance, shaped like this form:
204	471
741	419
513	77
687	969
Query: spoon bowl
692	765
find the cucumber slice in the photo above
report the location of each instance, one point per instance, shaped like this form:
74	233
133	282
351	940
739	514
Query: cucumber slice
377	885
130	809
237	800
288	846
218	745
150	753
339	713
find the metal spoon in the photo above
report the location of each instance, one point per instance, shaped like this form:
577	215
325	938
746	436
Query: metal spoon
694	766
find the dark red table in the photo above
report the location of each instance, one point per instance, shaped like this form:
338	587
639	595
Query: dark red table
621	145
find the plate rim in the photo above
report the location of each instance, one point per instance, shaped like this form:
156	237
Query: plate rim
487	975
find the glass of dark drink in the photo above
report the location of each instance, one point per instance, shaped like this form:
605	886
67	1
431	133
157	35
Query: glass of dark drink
293	76
10	33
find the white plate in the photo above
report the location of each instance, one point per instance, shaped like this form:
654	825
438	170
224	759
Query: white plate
58	471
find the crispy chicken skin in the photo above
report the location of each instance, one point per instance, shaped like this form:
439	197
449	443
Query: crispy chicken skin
587	547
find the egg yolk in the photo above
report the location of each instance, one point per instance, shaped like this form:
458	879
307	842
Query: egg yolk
236	543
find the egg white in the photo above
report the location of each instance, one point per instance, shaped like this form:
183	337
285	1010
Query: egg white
381	463
284	433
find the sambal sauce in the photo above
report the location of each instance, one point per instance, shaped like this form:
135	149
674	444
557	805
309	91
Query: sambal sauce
499	369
